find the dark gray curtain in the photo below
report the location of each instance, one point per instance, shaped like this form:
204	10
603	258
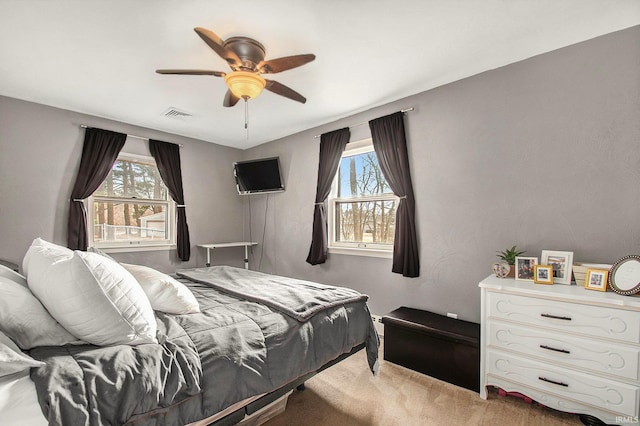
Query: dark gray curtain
167	156
390	144
100	151
331	147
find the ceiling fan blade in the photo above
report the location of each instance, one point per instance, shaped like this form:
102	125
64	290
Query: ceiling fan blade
285	63
216	43
192	72
230	99
282	90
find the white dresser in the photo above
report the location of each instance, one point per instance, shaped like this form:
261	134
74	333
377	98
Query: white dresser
569	348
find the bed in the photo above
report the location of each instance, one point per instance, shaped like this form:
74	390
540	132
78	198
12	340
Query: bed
253	338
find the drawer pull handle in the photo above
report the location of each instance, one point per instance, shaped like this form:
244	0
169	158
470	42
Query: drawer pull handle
555	317
564	351
544	379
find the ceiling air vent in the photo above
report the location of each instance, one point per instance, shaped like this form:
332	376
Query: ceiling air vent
176	114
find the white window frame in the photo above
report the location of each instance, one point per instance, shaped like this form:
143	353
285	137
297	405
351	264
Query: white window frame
353	248
127	246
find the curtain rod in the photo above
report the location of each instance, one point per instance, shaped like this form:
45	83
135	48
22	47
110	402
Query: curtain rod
84	126
365	122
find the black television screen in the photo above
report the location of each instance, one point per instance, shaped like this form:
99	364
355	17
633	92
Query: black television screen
258	176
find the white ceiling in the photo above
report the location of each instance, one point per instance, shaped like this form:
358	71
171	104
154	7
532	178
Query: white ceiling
100	57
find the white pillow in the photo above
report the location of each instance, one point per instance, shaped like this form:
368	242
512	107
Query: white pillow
23	317
12	360
100	252
42	244
12	275
92	296
165	293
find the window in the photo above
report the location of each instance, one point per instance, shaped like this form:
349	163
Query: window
132	207
362	207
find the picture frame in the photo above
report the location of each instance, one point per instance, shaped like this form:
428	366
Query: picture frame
562	262
524	267
596	279
543	274
624	276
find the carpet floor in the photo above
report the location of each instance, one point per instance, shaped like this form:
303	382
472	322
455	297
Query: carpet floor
348	394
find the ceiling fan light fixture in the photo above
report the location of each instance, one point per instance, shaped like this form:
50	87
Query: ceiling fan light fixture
245	85
245	56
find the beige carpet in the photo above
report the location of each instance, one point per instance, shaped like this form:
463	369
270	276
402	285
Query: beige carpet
348	394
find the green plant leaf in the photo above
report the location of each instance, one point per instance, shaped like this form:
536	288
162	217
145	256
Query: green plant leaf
509	255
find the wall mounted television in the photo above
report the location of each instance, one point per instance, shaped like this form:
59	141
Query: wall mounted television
258	176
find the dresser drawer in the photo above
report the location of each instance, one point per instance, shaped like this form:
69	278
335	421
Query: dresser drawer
598	356
601	393
596	321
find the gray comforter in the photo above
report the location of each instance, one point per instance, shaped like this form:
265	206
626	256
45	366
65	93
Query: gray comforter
297	298
233	349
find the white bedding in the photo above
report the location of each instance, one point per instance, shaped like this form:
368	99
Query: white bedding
19	401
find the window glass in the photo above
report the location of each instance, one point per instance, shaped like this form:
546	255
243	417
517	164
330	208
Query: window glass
360	175
362	205
132	206
133	179
365	221
129	221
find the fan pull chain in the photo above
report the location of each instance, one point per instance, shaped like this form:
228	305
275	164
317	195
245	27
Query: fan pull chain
246	117
246	114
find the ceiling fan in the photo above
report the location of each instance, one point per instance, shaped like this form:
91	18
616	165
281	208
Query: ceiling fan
245	56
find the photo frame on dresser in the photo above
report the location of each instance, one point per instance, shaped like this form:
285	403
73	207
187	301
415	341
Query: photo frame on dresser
624	276
561	262
524	268
596	279
543	274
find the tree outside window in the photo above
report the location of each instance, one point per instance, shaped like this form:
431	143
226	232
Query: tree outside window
362	203
131	206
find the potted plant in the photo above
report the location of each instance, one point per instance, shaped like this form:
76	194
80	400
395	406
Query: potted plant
506	267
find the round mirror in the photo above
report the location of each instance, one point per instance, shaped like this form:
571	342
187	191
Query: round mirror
624	277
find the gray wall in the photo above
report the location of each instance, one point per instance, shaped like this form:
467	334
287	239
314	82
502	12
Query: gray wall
543	153
40	150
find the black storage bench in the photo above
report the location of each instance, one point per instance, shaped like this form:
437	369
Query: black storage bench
436	345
